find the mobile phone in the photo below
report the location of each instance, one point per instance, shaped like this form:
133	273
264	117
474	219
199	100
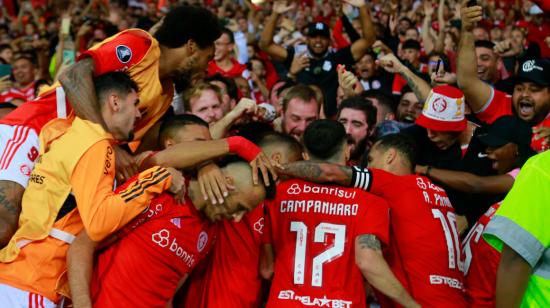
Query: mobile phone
471	3
66	25
5	70
69	56
438	65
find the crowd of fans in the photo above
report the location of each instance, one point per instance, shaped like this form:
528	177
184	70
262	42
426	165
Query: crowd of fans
437	112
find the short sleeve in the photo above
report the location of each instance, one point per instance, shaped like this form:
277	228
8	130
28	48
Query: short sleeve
119	52
375	181
522	220
499	104
375	219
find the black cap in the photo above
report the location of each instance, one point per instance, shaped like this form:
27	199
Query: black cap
411	44
537	71
507	129
318	28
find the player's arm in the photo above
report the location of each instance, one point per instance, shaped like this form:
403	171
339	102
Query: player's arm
10	208
512	277
102	211
318	172
476	92
469	182
360	46
369	259
80	263
278	53
78	83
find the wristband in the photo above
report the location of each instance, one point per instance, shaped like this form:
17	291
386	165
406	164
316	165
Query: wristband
361	178
242	147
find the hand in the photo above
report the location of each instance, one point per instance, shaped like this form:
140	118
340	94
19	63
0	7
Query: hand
356	3
280	6
441	78
391	64
141	157
125	165
245	106
428	9
348	81
470	15
382	48
461	224
85	29
542	132
5	83
177	186
392	24
264	164
507	48
213	184
299	63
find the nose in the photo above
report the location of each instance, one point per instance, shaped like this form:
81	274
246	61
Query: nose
347	126
138	114
431	134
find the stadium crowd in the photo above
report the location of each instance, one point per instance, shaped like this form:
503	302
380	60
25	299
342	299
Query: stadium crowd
254	153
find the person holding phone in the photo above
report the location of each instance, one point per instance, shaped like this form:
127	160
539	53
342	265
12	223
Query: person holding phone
23	71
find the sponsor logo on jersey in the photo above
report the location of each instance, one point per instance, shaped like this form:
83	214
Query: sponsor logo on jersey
296	189
123	53
259	226
313	301
162	238
202	241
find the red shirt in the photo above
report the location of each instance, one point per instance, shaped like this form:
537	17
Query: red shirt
480	264
107	58
501	105
157	250
25	94
229	275
424	253
312	228
235	71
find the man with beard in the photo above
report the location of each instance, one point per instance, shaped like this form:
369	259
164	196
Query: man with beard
316	63
531	97
182	45
358	116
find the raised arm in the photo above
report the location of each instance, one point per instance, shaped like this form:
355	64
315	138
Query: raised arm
427	39
476	92
318	172
78	83
278	53
468	182
360	47
369	259
440	41
392	65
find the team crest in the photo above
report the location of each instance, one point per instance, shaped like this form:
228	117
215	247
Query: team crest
202	241
123	53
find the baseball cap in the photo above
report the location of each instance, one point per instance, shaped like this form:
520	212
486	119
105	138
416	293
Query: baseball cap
537	71
443	110
507	129
411	44
318	28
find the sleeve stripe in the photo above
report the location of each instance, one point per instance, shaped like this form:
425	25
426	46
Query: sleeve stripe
142	190
363	179
152	177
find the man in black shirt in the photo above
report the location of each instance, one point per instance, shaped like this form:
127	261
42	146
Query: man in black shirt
315	63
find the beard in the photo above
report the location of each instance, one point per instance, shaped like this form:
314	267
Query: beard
359	149
183	80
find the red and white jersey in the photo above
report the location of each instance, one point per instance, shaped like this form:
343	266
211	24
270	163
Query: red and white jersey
157	249
480	264
25	94
424	251
230	276
312	228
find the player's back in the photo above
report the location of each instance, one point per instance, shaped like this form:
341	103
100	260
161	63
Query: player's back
312	228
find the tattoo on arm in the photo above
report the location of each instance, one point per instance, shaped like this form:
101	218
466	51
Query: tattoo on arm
369	241
414	85
319	172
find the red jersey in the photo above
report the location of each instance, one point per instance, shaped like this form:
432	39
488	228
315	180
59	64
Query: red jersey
229	275
157	250
480	264
235	71
25	94
501	105
424	253
312	229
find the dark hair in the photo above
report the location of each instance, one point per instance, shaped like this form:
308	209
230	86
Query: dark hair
119	82
302	92
382	98
229	34
361	104
401	142
187	22
484	44
228	82
173	123
38	84
324	139
276	138
286	85
4	47
411	44
444	58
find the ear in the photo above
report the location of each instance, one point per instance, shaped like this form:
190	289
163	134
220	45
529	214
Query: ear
277	157
390	156
168	143
113	102
229	180
305	156
191	47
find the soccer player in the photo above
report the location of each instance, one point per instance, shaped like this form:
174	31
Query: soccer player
229	277
325	238
156	252
182	45
424	252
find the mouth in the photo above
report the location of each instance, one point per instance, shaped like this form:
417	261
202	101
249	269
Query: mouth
525	109
494	165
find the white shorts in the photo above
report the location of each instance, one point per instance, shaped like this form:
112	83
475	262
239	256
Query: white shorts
17	298
19	148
